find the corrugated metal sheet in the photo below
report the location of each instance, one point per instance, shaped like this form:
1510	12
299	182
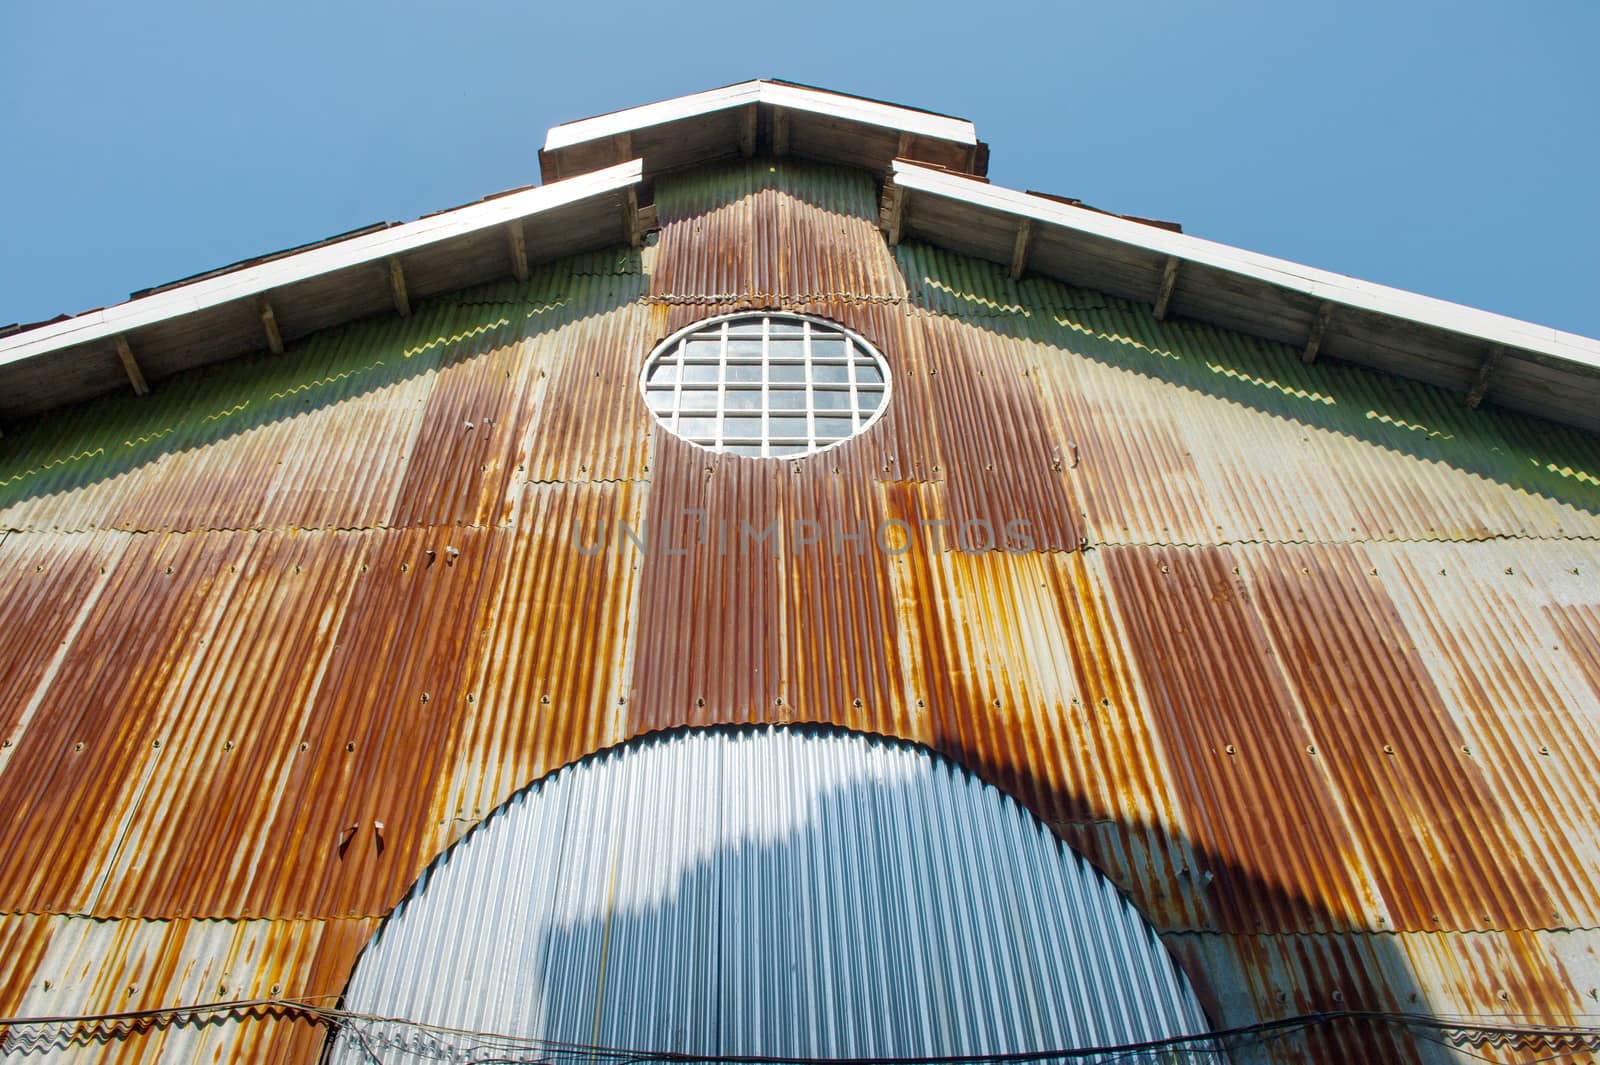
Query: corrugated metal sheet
1239	558
66	966
775	892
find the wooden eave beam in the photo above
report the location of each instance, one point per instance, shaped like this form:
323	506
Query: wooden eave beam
780	133
747	131
130	365
1319	329
269	326
892	218
1021	248
1485	376
397	287
1169	282
517	250
630	217
622	147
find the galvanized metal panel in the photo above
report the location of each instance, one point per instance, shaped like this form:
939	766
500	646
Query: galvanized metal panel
768	892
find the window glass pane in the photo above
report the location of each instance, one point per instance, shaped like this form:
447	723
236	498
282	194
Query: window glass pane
695	428
702	349
832	400
663	375
787	349
744	347
743	399
834	428
748	373
741	427
701	374
870	400
752	450
782	425
827	347
789	374
868	375
836	374
701	399
786	400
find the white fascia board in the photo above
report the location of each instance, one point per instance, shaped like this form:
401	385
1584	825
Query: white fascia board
1318	284
302	266
635	118
870	112
815	101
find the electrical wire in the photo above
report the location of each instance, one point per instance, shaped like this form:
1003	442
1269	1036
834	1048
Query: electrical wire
516	1050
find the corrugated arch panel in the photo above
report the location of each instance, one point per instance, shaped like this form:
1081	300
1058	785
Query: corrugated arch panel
764	891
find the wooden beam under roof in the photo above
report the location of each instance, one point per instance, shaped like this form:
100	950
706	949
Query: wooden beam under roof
397	287
747	131
630	218
1169	282
130	366
269	326
1484	377
517	249
892	216
1020	249
780	134
1319	327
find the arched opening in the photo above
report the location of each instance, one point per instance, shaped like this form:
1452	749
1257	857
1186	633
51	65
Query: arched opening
761	891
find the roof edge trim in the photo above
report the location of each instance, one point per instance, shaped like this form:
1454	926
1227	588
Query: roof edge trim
1320	285
370	247
776	94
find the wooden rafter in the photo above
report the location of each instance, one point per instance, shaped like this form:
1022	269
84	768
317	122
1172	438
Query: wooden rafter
747	131
630	217
780	133
1485	376
1020	249
893	216
397	287
269	326
1169	282
517	249
131	366
1319	328
622	145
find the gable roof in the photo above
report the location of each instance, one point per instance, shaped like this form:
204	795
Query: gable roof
599	171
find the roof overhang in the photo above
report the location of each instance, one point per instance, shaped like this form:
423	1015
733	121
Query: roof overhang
1523	366
263	304
261	307
766	117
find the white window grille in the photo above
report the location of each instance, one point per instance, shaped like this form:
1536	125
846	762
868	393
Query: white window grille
766	385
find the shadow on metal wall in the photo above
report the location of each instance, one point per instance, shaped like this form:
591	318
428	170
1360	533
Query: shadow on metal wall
709	898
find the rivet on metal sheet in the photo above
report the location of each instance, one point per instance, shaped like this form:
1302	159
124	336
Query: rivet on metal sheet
305	746
424	696
350	746
544	700
1388	748
1311	748
1231	749
1544	750
1466	750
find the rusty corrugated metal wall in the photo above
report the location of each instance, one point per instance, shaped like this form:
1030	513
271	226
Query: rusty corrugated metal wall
1304	658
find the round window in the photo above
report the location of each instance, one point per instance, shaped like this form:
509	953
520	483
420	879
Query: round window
765	385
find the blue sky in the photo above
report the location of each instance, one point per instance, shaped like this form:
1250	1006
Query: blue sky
1451	149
